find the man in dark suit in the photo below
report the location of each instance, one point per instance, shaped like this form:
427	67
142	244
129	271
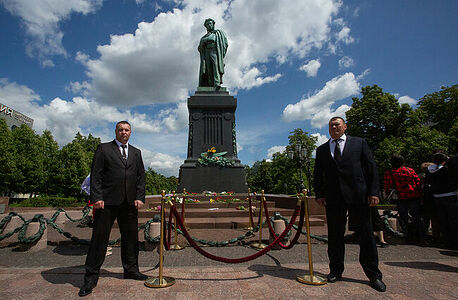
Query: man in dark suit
117	192
346	179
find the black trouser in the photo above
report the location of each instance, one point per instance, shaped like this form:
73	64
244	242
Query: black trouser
447	209
127	217
336	214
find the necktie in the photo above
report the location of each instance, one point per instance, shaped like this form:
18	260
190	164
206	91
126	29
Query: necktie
124	154
337	154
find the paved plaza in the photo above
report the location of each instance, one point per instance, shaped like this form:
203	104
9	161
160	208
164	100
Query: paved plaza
56	272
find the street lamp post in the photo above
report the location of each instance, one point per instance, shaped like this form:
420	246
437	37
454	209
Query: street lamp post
301	154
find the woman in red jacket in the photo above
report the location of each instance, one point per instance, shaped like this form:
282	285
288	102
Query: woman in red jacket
407	184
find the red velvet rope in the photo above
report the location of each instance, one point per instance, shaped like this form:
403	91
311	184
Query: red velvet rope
234	260
298	232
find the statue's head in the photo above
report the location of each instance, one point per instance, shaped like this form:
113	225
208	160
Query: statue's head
209	24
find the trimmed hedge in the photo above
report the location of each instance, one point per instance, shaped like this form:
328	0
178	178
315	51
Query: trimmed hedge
49	201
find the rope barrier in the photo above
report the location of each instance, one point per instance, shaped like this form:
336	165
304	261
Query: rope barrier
234	260
296	236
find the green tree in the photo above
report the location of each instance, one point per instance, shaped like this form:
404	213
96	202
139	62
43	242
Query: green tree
28	176
281	175
51	164
416	145
439	110
75	165
7	159
259	177
155	183
307	142
376	116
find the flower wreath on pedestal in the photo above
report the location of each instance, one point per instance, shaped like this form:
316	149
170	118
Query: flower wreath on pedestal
211	158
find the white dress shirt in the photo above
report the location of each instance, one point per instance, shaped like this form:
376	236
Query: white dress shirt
332	145
120	148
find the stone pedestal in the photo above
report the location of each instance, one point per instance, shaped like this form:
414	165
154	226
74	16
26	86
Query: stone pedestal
212	124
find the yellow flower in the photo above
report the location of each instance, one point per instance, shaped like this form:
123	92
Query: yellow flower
211	200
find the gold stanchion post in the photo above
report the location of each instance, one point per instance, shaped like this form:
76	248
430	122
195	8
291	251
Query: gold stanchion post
309	278
161	281
182	209
175	246
250	216
260	245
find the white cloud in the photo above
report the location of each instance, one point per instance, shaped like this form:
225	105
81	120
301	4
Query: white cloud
41	20
311	67
321	139
65	118
159	62
317	107
275	149
407	99
344	36
167	165
346	62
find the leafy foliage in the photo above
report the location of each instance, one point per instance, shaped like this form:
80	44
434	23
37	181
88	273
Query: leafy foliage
281	175
156	182
33	164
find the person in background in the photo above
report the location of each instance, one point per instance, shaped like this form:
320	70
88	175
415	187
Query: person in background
443	187
428	207
407	184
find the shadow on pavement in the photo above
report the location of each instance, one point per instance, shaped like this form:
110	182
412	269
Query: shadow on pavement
73	275
71	249
424	265
449	253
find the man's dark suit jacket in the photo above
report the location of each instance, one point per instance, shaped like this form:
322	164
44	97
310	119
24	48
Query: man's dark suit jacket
353	179
113	180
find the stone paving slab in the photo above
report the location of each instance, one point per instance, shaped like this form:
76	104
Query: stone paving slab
435	279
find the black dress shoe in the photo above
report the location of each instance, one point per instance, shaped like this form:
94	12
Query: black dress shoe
87	288
331	278
378	285
135	275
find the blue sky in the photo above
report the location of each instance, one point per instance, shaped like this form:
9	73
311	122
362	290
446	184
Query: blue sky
82	65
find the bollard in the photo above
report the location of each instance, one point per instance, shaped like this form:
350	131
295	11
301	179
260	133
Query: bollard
14	223
154	231
394	224
279	227
42	242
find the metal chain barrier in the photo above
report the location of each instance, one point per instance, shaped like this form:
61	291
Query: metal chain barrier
146	227
234	260
240	238
51	222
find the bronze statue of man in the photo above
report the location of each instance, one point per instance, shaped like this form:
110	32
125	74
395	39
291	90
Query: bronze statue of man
212	48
